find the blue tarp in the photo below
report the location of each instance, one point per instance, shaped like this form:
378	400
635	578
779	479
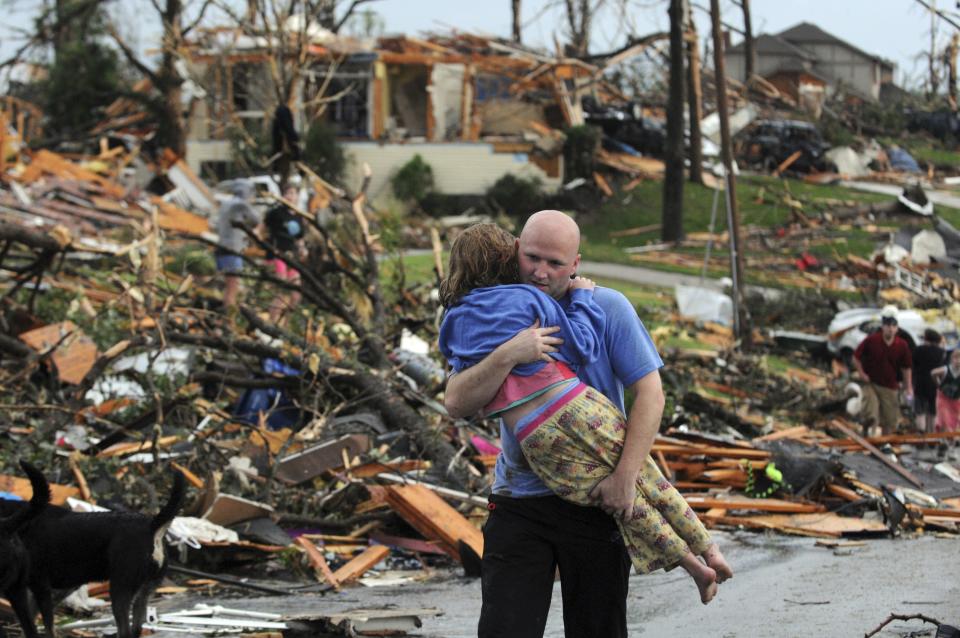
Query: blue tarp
282	411
900	160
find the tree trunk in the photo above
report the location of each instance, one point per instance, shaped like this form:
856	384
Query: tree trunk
515	7
952	70
750	66
673	156
694	102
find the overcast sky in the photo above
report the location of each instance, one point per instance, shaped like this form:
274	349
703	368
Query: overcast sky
898	30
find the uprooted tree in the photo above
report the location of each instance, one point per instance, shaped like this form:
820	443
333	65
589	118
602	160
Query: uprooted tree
340	343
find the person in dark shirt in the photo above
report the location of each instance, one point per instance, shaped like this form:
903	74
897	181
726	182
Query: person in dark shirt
926	357
284	234
878	359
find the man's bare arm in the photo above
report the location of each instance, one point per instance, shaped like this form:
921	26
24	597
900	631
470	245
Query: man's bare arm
617	492
468	391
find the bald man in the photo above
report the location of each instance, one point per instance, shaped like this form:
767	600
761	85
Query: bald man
530	532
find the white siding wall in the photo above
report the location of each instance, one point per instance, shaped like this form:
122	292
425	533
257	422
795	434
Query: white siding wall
849	66
206	151
458	168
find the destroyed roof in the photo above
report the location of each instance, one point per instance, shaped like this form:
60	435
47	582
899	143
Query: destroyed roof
776	45
807	32
793	65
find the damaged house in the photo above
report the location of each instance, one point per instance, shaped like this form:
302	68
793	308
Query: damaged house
807	63
456	102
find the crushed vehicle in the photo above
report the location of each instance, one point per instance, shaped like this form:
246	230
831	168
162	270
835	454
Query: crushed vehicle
769	143
849	327
626	125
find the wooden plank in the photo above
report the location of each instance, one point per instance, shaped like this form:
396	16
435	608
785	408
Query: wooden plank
724	452
826	524
943	513
633	232
361	564
310	463
21	487
790	433
75	354
757	504
317	561
602	184
785	164
434	518
843	492
896	467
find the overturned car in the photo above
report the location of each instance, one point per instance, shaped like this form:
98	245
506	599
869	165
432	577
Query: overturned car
769	143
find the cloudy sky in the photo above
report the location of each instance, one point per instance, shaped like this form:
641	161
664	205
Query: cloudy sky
898	30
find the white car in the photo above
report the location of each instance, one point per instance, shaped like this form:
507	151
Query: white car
849	327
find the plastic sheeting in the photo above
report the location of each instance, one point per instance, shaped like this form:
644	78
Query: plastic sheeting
704	304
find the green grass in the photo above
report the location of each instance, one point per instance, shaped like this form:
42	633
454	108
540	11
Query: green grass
762	203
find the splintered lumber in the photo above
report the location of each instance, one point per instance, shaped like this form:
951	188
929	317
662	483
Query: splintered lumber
756	504
843	492
434	518
872	449
724	452
602	184
310	463
75	352
785	164
361	563
317	561
825	524
797	432
21	487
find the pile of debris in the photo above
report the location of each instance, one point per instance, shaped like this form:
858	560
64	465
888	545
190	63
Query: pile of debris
320	448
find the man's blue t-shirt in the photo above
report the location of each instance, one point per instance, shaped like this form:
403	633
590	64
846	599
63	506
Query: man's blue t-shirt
628	355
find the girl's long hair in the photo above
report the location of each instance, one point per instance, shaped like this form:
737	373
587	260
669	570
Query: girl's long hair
483	255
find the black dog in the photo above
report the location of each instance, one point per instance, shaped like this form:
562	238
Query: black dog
68	549
14	560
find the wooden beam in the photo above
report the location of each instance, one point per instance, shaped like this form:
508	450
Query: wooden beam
361	564
872	449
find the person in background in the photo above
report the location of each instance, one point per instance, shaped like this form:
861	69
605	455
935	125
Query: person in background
233	240
926	357
948	393
284	234
879	359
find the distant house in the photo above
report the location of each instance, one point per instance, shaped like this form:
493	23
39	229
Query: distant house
805	60
397	98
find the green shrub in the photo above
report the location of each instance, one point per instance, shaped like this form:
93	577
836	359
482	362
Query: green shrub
413	181
322	151
194	260
517	196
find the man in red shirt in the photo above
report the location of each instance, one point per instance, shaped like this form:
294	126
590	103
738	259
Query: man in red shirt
878	358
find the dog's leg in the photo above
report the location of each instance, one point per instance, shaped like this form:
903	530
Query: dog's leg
20	602
140	606
121	597
44	597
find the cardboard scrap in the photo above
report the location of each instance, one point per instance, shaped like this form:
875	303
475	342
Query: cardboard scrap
75	354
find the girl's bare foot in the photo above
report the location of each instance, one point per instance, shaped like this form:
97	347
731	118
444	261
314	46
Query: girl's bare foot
704	576
718	563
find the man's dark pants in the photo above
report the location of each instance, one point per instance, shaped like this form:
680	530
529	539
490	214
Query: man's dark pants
524	542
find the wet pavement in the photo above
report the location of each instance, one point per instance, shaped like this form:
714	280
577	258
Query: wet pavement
785	587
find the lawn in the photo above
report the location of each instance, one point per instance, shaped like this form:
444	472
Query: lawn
763	203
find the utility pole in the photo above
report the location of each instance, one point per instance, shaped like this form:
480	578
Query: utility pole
672	214
726	150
